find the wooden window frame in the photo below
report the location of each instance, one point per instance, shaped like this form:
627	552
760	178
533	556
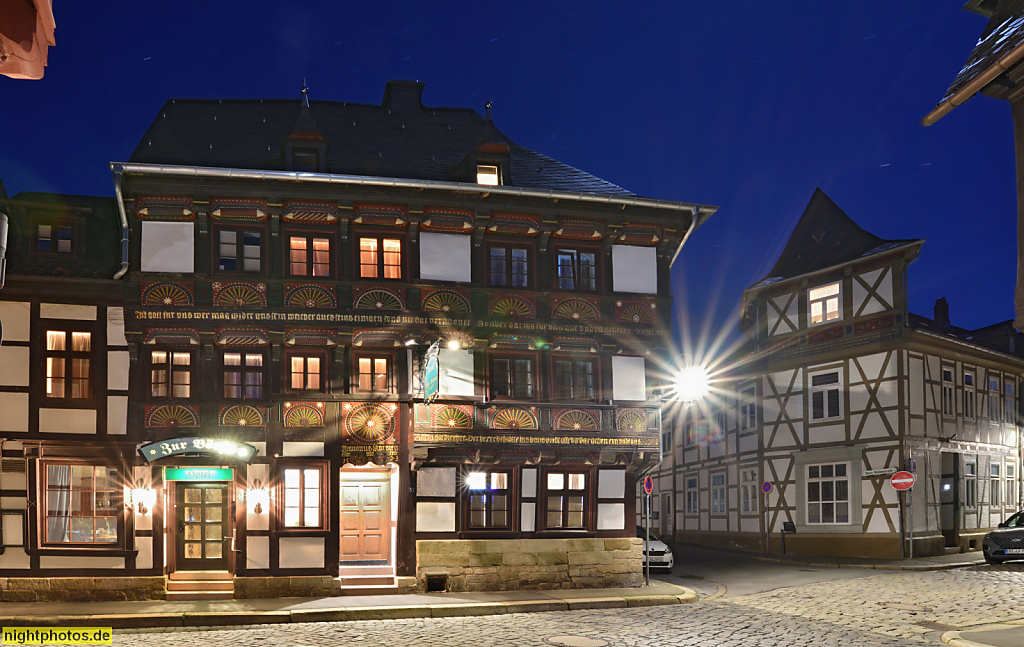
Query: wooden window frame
511	501
239	257
169	373
748	409
824	389
324	491
574	359
391	379
305	355
723	498
820	479
68	355
380	237
508	274
588	494
309	237
691	490
53	241
824	304
116	505
243	369
576	267
969	397
511	357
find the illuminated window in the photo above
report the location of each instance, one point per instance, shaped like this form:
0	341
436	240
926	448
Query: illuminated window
509	266
305	372
823	303
488	499
68	364
243	376
170	374
373	374
301	488
239	251
380	258
309	256
566	497
486	174
82	506
828	493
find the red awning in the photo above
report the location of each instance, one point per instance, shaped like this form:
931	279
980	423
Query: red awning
26	30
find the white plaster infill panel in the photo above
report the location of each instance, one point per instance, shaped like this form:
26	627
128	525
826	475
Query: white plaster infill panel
301	552
66	311
257	553
528	520
435	517
305	449
629	378
168	247
117	370
435	481
455	372
115	327
12	530
611	516
611	484
445	257
14	408
67	421
80	561
145	557
17	318
117	414
634	269
14	365
15	558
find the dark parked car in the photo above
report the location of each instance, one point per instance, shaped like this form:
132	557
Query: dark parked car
1006	541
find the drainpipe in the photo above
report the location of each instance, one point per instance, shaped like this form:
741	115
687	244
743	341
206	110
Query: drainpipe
118	170
694	222
963	94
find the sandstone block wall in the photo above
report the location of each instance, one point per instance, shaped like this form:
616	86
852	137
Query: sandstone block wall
81	589
522	564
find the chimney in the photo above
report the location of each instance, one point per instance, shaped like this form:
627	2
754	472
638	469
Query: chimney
403	96
942	312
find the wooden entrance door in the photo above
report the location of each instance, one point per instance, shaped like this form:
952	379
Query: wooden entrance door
365	517
202	526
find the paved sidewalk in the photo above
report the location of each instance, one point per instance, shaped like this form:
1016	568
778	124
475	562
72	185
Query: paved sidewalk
1003	634
209	613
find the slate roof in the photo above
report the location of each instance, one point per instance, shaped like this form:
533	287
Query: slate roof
400	138
1003	33
97	235
824	237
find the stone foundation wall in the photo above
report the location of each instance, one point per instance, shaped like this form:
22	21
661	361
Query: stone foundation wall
309	586
520	564
81	589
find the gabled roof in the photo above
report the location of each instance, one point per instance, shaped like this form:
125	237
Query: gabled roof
825	237
400	138
998	49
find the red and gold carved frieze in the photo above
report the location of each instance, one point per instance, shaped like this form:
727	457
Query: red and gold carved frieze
446	221
165	208
303	414
303	295
636	312
380	215
240	295
827	334
168	293
641	234
878	323
513	306
514	225
575	308
244	210
378	298
579	230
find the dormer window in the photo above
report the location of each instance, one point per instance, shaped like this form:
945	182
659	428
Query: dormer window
54	238
487	174
305	160
823	303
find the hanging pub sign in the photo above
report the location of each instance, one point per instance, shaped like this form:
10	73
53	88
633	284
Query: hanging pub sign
431	373
219	447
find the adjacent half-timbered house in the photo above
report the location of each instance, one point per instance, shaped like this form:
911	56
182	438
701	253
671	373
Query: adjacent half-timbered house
386	345
64	370
841	388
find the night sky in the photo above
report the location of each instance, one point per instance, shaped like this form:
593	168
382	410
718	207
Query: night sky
681	101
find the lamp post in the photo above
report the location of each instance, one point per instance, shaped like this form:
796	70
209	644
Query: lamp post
690	384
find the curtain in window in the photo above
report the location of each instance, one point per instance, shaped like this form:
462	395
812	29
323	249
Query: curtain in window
58	503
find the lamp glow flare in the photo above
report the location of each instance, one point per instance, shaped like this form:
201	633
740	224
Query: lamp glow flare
691	384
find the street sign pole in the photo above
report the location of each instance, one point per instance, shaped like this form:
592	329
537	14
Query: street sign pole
766	487
899	504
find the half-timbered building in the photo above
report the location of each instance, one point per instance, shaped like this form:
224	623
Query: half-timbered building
384	346
842	387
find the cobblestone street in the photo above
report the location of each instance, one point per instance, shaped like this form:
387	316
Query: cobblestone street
887	608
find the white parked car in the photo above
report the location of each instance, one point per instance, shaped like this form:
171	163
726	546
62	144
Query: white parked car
660	555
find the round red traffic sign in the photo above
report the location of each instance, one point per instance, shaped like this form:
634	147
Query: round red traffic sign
902	480
648	485
766	487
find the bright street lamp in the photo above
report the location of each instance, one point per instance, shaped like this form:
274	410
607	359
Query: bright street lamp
691	384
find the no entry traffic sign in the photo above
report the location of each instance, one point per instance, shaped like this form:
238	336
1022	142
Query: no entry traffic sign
648	485
902	480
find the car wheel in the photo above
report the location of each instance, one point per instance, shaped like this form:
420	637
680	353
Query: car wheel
992	560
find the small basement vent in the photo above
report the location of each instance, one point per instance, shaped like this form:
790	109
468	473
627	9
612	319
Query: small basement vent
12	465
437	583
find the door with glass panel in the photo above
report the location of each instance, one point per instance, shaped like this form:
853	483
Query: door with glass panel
203	531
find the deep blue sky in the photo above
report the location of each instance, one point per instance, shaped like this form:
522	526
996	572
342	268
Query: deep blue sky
683	101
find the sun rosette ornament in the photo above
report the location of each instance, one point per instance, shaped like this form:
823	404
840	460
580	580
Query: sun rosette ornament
370	422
